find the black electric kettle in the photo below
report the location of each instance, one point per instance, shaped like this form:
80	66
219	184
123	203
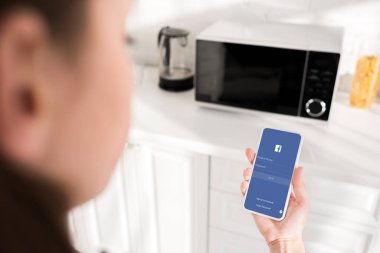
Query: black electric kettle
174	65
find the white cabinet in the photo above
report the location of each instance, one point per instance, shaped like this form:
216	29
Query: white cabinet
343	216
181	186
163	200
156	202
113	222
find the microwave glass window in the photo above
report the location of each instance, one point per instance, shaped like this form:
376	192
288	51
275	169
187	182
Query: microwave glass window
252	77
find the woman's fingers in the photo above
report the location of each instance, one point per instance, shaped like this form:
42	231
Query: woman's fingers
250	155
248	171
247	174
299	187
244	187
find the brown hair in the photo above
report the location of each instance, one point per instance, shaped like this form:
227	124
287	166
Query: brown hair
33	213
64	18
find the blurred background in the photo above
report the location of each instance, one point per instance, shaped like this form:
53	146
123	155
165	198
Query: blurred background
176	187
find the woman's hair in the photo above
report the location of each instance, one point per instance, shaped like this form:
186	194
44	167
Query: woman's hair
64	18
33	213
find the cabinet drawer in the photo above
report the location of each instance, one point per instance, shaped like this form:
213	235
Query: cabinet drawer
226	242
349	201
227	213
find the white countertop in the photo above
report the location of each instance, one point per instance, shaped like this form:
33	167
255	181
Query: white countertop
350	141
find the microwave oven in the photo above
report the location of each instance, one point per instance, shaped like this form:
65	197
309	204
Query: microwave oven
272	67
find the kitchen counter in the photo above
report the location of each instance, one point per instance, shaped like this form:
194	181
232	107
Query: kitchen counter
349	142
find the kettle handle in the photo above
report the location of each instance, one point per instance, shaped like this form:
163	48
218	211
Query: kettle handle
166	46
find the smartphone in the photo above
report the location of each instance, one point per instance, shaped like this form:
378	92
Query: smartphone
270	183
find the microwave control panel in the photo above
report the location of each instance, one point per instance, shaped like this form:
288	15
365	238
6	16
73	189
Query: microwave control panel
320	79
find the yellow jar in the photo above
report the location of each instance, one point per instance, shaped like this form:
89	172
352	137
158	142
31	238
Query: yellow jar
366	82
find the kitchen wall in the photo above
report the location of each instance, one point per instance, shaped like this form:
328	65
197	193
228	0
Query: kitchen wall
360	18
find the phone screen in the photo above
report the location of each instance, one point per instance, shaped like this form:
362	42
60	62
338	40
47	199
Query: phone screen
269	186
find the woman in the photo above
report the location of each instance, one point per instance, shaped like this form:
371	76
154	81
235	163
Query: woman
65	89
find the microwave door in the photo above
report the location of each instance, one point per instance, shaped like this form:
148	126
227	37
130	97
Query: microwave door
249	76
263	87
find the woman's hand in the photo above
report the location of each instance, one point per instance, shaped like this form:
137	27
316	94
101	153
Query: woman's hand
285	235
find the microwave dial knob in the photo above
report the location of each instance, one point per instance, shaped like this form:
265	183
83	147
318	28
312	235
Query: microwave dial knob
315	107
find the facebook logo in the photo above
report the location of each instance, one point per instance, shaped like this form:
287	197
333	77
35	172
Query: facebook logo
278	148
